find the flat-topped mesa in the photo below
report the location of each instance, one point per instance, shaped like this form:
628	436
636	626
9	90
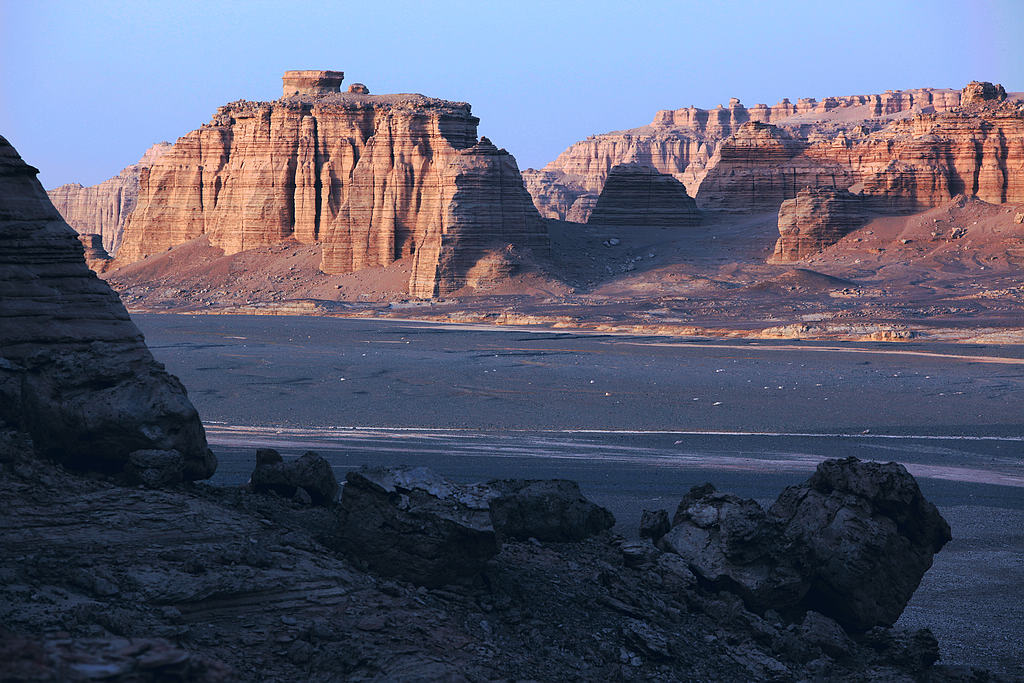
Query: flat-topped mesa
311	82
371	178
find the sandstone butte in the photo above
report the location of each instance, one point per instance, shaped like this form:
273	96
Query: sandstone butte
371	178
75	373
914	148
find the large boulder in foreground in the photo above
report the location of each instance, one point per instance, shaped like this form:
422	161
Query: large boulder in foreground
545	509
851	543
79	378
411	523
866	534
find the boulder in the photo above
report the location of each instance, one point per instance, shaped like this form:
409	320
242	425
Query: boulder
654	524
307	476
410	523
866	535
546	509
731	543
851	543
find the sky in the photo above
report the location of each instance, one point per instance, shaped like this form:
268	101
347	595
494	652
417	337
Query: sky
86	87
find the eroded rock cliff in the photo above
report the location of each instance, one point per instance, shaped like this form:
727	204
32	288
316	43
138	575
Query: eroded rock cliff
104	209
75	374
913	149
373	178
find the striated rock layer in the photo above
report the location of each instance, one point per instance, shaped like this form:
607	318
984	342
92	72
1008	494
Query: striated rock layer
913	149
815	219
639	195
374	178
104	209
75	374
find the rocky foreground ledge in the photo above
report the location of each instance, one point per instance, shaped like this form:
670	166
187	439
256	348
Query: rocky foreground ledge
412	577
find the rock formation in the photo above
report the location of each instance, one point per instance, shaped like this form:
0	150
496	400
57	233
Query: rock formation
815	219
914	149
411	523
96	257
373	178
309	478
851	543
311	82
640	196
75	374
104	209
547	510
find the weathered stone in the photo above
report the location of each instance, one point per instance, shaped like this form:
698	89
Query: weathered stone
410	523
867	536
311	82
851	543
817	218
981	91
545	509
731	543
654	524
636	195
96	257
85	387
358	89
309	473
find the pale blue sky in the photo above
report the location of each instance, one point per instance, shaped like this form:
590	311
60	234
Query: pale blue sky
87	86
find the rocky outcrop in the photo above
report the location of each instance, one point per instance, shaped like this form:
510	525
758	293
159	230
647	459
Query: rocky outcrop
544	509
104	209
683	142
815	219
373	178
763	165
911	149
851	543
308	478
640	196
874	517
311	82
411	523
981	91
96	257
75	373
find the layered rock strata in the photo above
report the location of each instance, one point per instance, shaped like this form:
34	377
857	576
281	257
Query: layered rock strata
639	195
96	257
104	209
373	178
914	148
75	373
815	219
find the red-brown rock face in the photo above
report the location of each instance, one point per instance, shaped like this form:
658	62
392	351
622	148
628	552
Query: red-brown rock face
374	178
684	142
104	209
75	373
639	195
815	219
